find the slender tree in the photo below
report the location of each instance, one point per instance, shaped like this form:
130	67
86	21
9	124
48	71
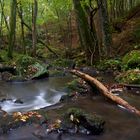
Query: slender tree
12	32
34	30
2	4
20	13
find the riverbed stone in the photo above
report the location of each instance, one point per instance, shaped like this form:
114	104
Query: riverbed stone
18	101
77	121
6	76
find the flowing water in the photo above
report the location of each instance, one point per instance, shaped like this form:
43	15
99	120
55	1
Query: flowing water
34	94
120	124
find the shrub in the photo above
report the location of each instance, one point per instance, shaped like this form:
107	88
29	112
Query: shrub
129	77
110	64
131	60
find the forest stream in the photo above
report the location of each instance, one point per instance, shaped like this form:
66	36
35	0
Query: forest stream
120	124
69	69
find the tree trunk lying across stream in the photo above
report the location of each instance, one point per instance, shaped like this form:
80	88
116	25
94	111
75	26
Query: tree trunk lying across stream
105	91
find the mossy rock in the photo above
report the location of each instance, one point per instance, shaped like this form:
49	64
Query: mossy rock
131	60
77	85
85	123
30	68
41	73
129	77
73	85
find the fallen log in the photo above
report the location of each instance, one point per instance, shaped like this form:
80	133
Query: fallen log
105	91
130	86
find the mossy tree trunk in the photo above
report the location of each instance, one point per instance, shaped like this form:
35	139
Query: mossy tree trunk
20	14
87	39
34	31
105	25
2	4
12	32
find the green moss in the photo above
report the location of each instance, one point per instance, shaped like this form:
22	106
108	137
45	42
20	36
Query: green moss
76	112
131	60
75	85
129	77
79	115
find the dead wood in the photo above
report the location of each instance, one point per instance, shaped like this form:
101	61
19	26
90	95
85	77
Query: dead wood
105	91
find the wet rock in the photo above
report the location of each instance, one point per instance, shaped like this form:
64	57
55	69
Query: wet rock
6	76
7	69
18	101
2	113
90	71
68	97
42	72
5	99
90	124
77	121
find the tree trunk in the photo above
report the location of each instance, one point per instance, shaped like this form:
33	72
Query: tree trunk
34	32
12	28
105	91
85	35
39	40
3	15
107	37
20	13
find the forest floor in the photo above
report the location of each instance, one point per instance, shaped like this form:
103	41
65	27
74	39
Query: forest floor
128	32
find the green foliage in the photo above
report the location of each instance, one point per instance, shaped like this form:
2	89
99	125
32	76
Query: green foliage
129	77
25	61
131	60
113	64
73	85
23	64
62	63
3	55
137	46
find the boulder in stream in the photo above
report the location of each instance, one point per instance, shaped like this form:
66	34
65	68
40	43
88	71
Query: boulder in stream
77	121
18	101
41	73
